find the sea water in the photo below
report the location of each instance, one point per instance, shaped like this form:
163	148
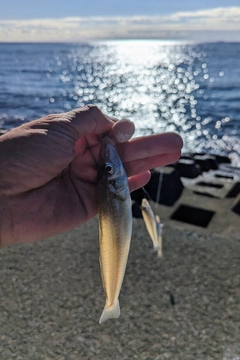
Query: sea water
193	89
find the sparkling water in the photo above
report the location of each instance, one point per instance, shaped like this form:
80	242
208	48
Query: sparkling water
193	89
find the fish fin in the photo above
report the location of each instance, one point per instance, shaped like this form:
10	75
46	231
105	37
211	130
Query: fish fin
110	312
159	253
155	247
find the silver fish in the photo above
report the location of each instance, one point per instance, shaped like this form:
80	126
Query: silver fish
150	222
115	224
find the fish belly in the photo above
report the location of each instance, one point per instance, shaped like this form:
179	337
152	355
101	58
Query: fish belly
115	222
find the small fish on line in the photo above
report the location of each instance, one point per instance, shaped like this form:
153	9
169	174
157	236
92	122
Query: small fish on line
115	224
150	221
153	225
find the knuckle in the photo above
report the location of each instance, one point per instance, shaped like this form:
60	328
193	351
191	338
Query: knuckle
92	108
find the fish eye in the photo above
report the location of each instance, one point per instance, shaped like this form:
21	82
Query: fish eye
109	169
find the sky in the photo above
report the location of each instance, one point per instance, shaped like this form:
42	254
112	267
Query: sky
85	20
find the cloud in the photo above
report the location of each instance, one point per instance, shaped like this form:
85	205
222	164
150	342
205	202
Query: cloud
198	25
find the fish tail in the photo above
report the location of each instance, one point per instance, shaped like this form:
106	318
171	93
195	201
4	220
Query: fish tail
110	312
159	253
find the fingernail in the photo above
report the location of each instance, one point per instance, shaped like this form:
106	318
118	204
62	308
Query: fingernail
123	130
122	136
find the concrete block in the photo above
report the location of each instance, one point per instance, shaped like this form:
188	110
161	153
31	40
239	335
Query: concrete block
193	215
206	162
165	181
187	168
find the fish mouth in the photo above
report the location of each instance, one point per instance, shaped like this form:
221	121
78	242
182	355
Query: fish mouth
107	138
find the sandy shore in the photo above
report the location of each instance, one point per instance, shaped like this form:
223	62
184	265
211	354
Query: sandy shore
185	306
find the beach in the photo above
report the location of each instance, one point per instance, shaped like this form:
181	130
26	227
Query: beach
184	306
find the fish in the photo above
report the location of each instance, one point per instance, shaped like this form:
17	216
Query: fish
159	227
115	224
150	222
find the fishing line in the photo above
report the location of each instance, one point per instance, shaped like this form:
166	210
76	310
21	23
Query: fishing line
160	180
159	189
146	194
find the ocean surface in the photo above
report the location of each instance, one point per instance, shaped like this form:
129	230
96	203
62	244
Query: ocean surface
193	89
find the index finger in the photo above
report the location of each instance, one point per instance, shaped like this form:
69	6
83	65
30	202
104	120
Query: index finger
150	146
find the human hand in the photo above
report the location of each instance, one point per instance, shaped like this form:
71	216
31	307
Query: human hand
48	170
